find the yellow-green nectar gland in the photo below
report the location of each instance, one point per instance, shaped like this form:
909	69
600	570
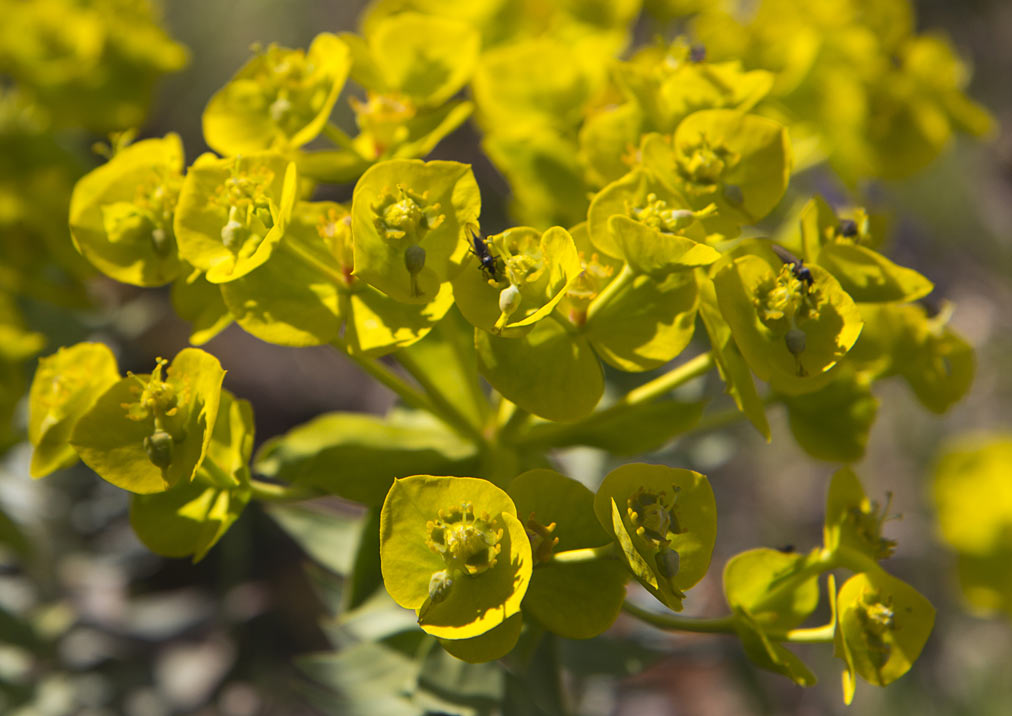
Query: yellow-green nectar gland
876	617
468	543
384	117
656	214
703	164
867	522
781	304
407	214
542	539
335	230
148	218
159	402
244	195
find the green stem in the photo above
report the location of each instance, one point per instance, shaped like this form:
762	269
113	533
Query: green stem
725	625
339	137
821	562
611	290
556	433
673	622
812	635
447	410
217	476
409	394
272	492
584	555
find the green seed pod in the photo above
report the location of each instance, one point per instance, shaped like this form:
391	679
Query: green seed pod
734	195
509	299
795	340
667	562
414	259
158	446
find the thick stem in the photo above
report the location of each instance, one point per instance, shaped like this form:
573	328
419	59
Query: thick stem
271	492
447	410
339	137
584	555
673	622
617	285
409	394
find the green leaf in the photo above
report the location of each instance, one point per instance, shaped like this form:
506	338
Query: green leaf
486	566
634	430
328	537
833	423
655	252
198	301
768	654
763	583
358	456
548	372
652	510
646	323
378	324
730	362
111	436
365	578
186	519
292	299
493	644
869	276
364	680
66	384
544	497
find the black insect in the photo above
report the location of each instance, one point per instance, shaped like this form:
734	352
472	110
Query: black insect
697	53
847	228
480	249
798	267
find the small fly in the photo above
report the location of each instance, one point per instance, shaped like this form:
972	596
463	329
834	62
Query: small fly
480	249
798	267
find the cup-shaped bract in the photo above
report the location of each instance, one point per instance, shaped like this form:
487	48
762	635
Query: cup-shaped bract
558	513
529	274
973	498
641	197
189	518
409	222
665	522
66	384
121	213
426	59
233	211
852	520
771	587
452	549
790	330
512	88
280	99
882	625
147	433
844	248
739	162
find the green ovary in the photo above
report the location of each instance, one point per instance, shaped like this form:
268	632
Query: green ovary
468	543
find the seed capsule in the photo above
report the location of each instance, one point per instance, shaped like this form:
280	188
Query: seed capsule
414	259
158	446
795	340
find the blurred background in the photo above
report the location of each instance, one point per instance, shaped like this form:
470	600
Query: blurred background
122	631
